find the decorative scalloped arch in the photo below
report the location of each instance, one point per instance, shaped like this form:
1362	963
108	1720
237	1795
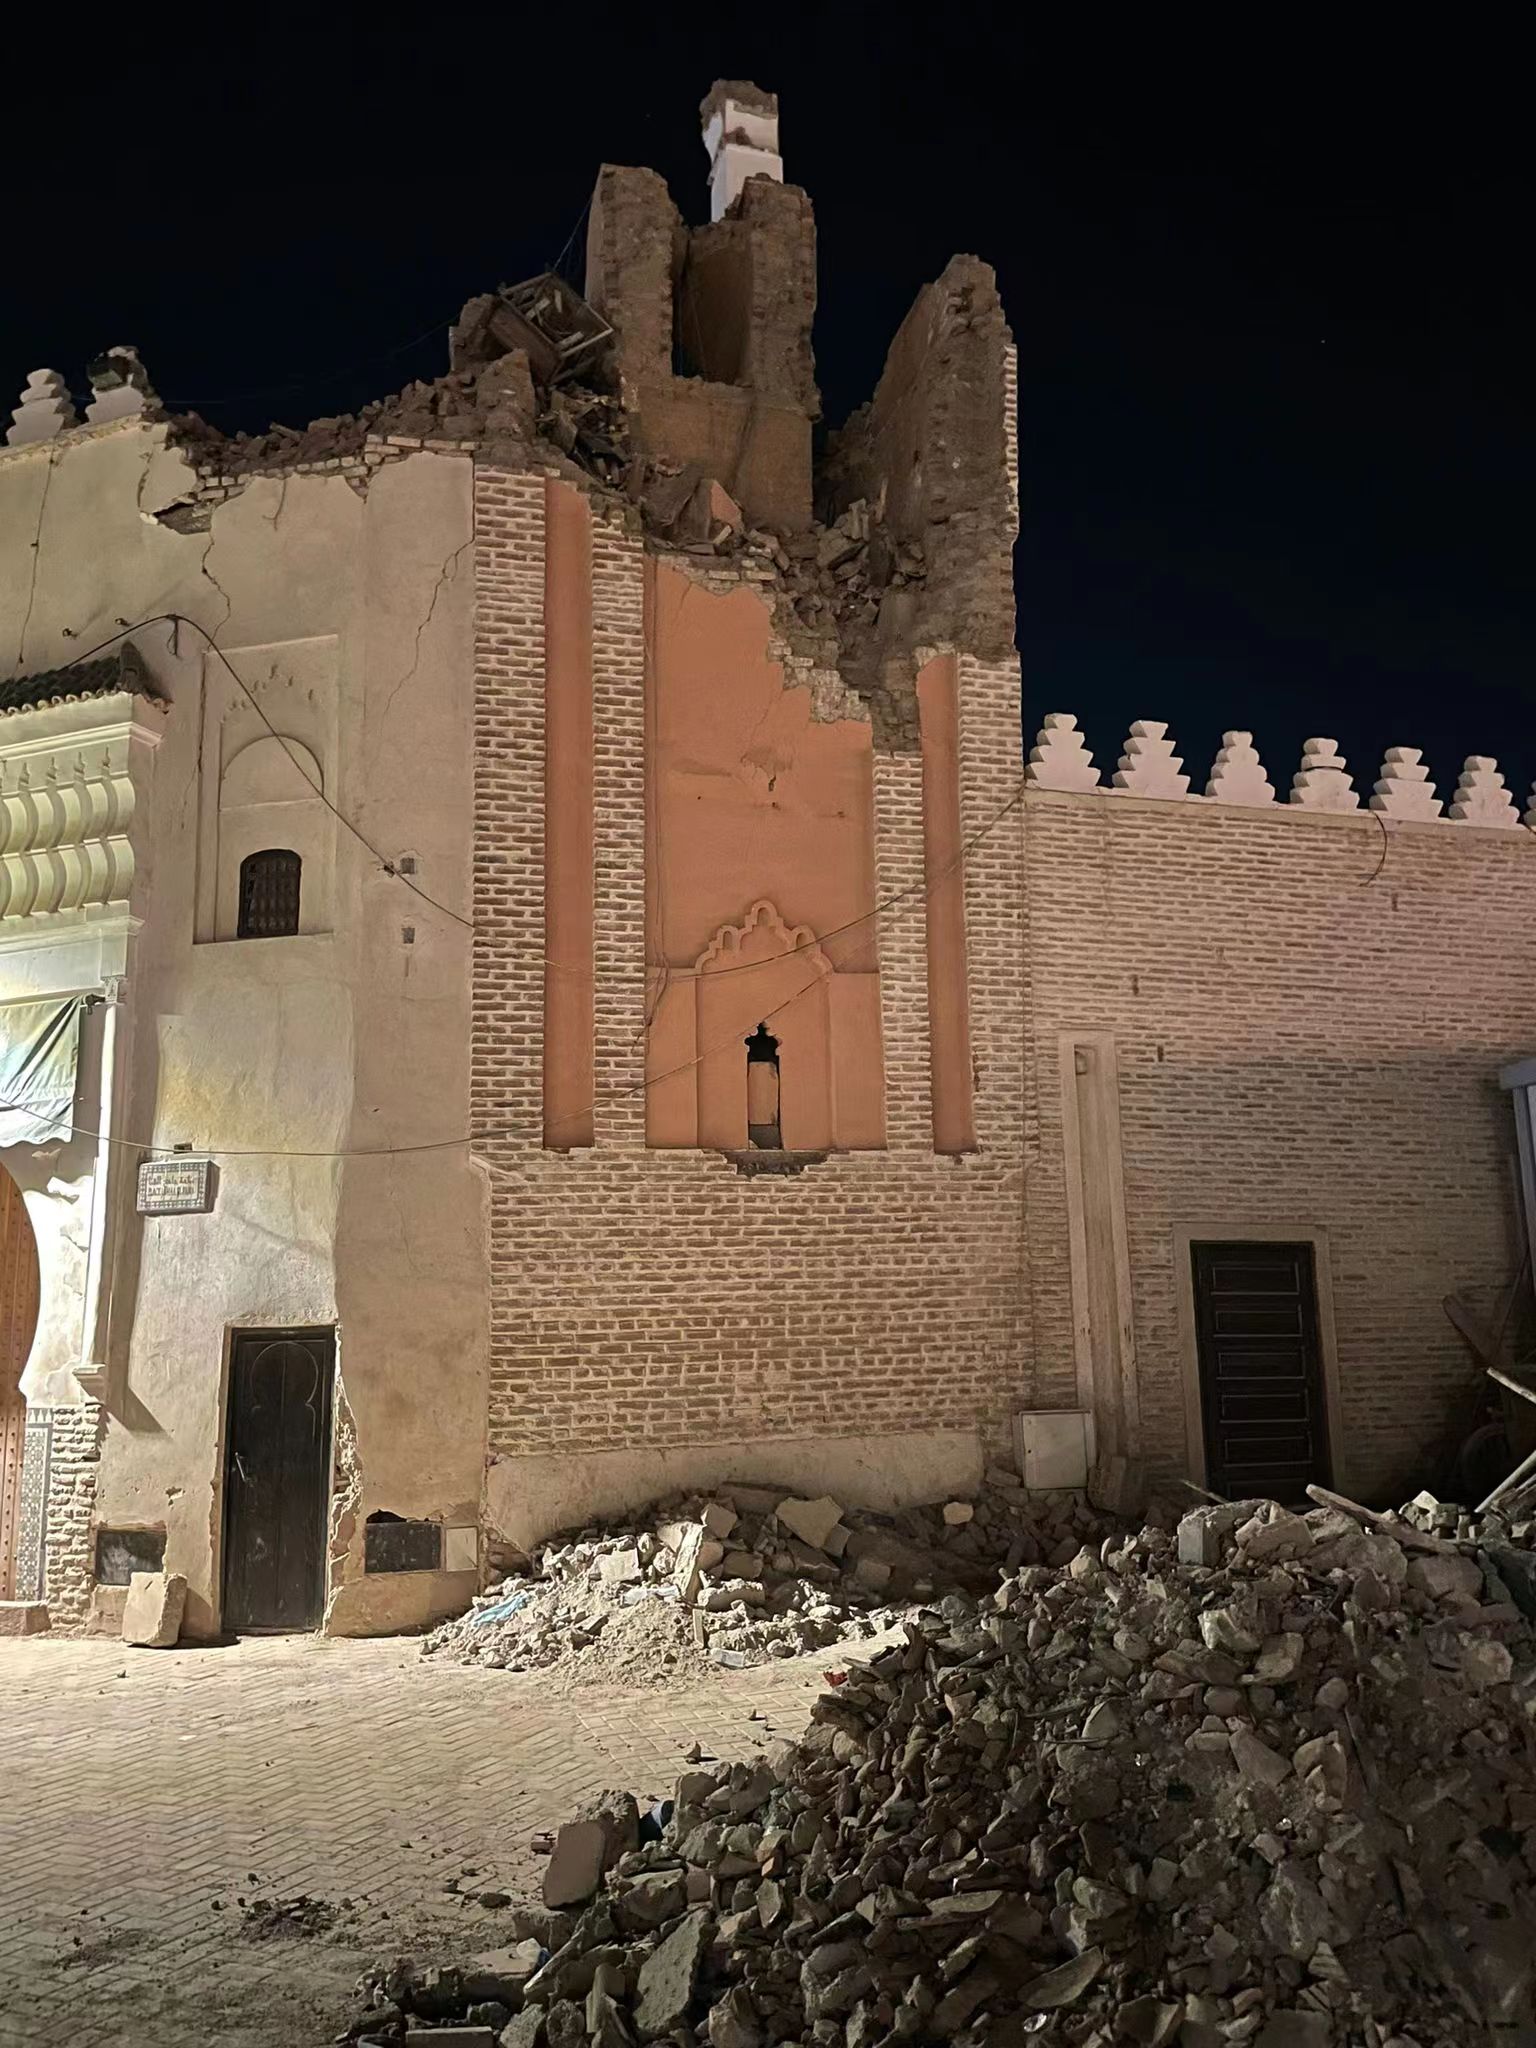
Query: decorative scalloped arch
732	941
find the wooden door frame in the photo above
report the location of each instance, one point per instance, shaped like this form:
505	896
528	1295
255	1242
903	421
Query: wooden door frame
1185	1237
271	1332
17	1239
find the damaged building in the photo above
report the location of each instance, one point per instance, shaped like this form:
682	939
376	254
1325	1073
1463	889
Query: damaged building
534	972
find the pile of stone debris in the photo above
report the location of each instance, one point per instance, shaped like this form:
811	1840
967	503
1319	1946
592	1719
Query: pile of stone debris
749	1574
1269	1778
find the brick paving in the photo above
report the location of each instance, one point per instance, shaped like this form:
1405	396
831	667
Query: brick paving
139	1787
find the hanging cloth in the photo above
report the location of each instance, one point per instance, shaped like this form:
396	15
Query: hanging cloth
39	1050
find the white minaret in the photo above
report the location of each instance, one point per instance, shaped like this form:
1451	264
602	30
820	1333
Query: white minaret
741	134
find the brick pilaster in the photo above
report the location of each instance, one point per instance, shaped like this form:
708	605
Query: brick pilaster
900	935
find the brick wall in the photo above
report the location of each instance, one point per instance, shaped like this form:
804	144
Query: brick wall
654	1298
1300	1038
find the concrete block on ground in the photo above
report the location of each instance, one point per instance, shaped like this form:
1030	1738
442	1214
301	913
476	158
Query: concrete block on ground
153	1610
23	1617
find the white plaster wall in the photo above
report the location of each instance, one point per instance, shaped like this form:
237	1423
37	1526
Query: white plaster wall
317	1043
531	1497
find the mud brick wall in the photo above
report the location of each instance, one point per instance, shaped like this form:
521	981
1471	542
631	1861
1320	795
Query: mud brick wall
657	1298
74	1460
1306	1032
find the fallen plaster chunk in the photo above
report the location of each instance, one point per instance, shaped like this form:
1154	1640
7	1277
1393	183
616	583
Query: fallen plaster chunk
576	1863
811	1520
153	1610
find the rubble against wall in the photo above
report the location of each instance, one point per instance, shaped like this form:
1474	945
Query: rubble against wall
1265	1779
750	1574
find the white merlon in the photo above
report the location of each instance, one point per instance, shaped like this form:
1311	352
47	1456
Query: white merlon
1059	759
1149	766
45	409
1237	774
1321	783
121	387
1404	789
742	138
1481	798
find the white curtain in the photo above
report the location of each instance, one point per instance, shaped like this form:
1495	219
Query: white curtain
39	1047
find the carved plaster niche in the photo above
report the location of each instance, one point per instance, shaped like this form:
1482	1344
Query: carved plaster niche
266	781
765	971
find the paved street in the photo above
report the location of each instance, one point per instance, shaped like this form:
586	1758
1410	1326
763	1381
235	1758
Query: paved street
144	1794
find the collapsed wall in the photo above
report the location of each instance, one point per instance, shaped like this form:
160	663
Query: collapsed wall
700	746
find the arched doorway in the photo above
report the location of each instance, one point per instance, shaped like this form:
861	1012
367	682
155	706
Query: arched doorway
18	1321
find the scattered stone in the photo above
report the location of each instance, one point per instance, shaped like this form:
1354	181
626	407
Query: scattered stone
1128	1800
1293	1913
1064	1985
576	1866
811	1520
703	1582
668	1976
1294	2028
1256	1760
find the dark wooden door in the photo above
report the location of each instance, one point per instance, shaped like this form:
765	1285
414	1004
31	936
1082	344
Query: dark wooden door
1261	1377
277	1478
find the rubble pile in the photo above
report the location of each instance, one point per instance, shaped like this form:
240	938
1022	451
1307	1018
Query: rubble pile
749	1575
1513	1523
466	405
835	576
1269	1778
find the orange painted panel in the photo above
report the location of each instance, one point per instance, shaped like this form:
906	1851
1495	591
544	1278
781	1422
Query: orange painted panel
751	796
753	801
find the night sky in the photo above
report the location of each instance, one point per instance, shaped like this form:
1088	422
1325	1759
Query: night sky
1276	432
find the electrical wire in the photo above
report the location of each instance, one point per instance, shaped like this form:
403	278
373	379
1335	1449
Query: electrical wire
181	619
512	1133
744	967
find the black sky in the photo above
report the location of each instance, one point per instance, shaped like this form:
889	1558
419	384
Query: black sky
1268	292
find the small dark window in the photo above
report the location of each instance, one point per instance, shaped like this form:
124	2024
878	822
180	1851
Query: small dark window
763	1129
392	1544
269	894
122	1552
